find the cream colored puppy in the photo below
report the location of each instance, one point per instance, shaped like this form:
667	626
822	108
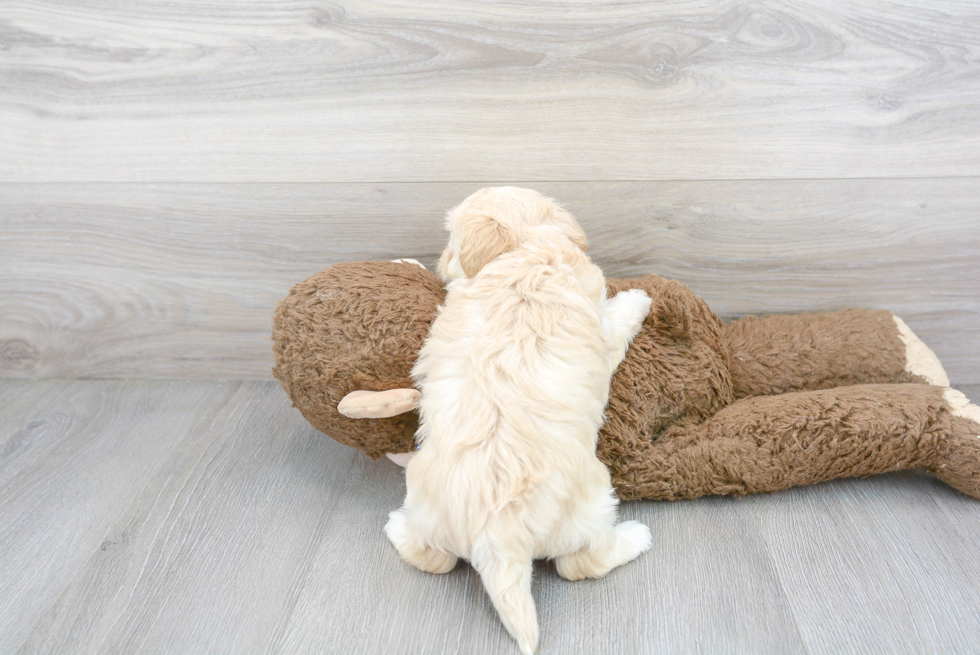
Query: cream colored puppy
514	379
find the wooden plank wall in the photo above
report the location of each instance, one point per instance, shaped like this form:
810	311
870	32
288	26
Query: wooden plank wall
169	168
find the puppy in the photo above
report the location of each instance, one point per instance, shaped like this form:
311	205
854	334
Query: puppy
514	378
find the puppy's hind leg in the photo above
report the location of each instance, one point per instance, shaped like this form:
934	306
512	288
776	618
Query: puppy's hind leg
506	576
412	550
616	547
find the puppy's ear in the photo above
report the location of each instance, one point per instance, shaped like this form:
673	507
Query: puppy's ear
571	229
442	268
577	236
482	238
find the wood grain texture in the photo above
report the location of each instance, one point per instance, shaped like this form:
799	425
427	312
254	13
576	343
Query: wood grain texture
698	597
174	280
208	558
209	517
19	404
879	562
458	90
68	472
389	607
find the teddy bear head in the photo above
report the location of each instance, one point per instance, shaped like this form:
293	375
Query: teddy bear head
355	327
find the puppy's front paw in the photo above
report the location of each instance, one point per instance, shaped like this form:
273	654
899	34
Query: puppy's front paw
632	305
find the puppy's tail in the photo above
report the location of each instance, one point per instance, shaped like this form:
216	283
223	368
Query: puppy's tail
506	576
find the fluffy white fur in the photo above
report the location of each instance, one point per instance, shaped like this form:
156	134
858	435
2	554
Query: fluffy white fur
515	377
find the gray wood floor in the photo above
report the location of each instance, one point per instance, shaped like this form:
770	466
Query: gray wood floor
197	516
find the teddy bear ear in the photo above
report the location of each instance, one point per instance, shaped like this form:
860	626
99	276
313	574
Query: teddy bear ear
673	311
378	404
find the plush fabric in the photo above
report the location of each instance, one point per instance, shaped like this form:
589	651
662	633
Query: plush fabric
696	408
776	354
356	325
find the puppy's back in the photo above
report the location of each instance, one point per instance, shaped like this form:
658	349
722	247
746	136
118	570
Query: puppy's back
514	381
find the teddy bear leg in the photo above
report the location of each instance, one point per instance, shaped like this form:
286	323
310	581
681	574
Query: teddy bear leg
920	361
960	465
778	354
768	443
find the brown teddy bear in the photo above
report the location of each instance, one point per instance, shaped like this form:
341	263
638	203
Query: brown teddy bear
696	408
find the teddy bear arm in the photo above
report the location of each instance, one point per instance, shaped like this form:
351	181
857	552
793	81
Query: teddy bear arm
768	443
782	353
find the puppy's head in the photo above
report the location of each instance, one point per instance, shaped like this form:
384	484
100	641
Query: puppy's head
496	220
